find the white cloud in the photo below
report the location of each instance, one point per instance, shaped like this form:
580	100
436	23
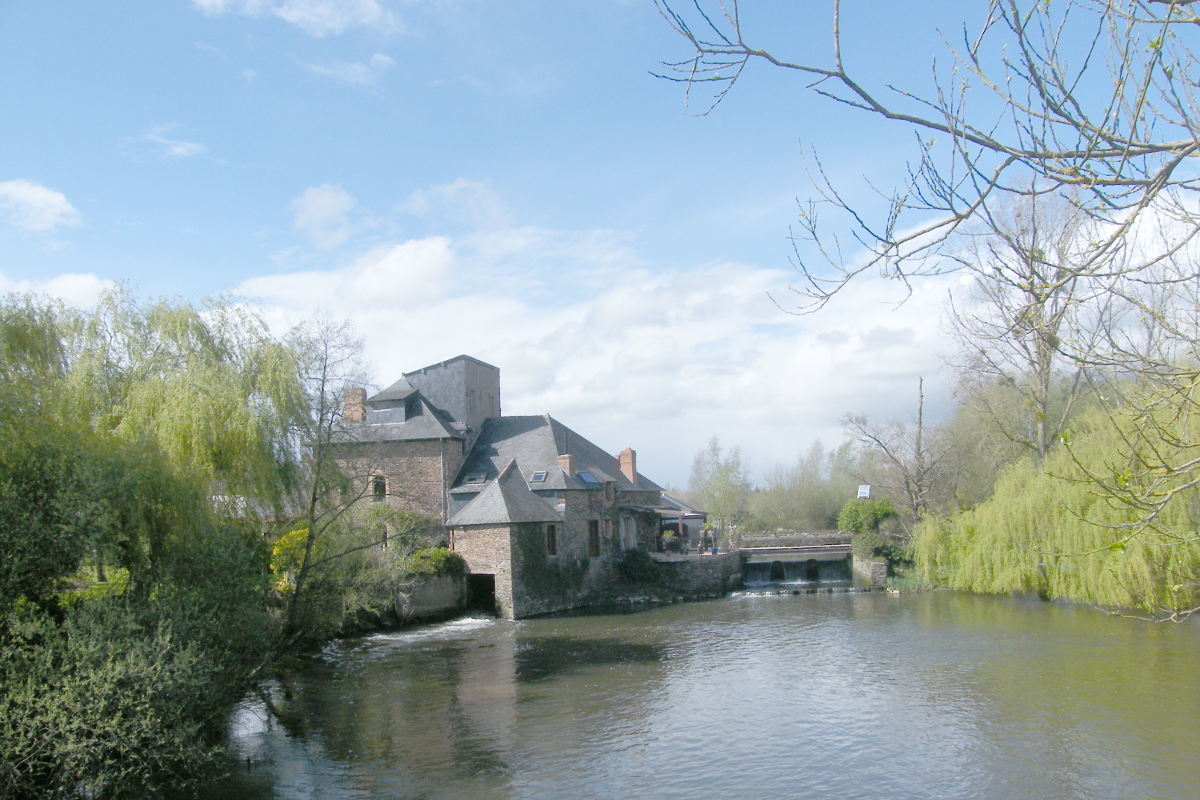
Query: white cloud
402	277
323	214
29	206
358	73
656	360
78	290
161	145
315	17
464	201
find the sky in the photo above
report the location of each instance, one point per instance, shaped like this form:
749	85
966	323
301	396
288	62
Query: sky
507	180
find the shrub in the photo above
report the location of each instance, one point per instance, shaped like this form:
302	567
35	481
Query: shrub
638	567
864	516
436	561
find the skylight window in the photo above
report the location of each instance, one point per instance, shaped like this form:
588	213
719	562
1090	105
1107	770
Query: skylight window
538	477
587	477
474	477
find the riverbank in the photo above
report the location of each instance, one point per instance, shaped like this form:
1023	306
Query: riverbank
855	694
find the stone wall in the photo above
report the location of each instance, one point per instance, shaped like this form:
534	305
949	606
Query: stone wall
544	583
417	472
873	572
488	550
433	597
699	576
792	538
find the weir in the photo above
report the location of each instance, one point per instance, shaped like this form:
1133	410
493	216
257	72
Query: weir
810	564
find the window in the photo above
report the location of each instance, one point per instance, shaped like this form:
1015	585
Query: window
628	533
551	540
593	538
538	477
474	477
379	489
610	491
587	477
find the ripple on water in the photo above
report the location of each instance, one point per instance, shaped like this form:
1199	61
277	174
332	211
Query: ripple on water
811	696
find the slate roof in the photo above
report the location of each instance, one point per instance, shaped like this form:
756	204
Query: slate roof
400	390
505	499
416	418
535	444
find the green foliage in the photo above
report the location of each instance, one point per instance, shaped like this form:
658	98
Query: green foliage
208	385
436	561
1049	531
124	695
637	567
116	432
806	496
870	546
719	484
864	515
358	567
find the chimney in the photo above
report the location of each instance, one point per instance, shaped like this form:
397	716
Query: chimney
629	464
354	405
567	463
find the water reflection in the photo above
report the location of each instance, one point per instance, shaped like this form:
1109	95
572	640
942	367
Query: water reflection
865	696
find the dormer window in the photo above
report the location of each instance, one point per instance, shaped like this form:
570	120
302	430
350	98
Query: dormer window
538	477
586	477
474	477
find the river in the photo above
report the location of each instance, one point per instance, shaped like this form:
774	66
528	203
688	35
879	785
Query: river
929	695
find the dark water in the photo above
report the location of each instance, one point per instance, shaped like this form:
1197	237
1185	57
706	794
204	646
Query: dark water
931	695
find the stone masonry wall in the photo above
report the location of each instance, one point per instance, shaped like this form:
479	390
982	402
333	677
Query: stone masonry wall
701	575
432	597
488	550
417	472
873	572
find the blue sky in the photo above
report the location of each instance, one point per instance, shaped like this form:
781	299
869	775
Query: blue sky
504	179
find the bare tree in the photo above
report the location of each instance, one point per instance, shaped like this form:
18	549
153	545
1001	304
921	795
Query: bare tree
1030	311
911	455
1097	100
328	352
1116	124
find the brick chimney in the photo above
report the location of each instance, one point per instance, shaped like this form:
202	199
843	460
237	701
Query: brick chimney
354	405
629	464
567	463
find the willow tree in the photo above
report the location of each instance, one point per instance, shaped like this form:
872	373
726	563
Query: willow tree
1096	100
208	383
1063	539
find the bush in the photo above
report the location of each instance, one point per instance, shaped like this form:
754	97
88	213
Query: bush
638	567
864	516
872	546
436	561
116	694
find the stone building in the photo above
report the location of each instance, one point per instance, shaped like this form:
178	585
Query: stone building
541	515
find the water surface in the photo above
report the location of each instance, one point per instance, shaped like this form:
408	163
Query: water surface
933	695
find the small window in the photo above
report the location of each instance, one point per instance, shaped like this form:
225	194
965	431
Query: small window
379	489
474	477
587	477
610	491
551	540
538	477
594	538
